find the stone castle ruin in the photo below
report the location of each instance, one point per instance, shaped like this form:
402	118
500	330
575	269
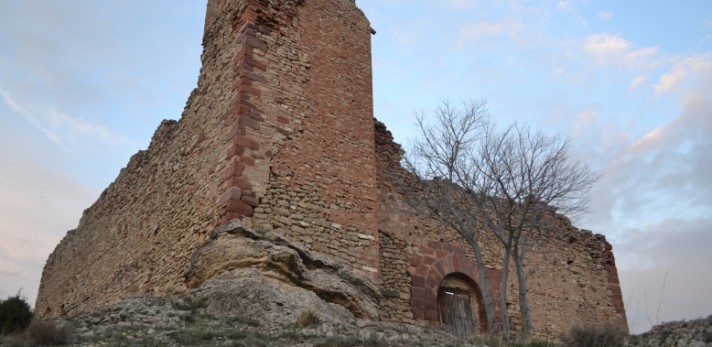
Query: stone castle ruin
279	138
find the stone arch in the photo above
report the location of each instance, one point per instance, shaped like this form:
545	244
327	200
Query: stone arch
460	305
436	261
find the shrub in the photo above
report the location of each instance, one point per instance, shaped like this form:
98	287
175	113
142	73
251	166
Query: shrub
308	318
45	333
593	336
15	314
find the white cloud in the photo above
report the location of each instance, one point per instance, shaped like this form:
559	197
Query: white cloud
483	30
605	44
604	15
608	48
583	122
637	82
563	5
694	66
461	4
56	126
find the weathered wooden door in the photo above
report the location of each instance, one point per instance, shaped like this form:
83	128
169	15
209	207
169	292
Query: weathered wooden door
456	312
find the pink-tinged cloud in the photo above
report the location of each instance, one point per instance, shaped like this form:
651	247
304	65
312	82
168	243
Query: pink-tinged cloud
37	207
608	48
694	67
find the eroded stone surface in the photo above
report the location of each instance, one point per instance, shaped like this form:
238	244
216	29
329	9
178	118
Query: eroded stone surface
238	268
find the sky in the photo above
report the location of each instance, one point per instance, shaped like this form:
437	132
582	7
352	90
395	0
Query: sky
84	83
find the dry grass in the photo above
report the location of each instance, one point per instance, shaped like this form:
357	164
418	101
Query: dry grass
595	336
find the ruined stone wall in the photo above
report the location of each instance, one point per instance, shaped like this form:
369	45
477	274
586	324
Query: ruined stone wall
322	183
282	85
139	235
573	276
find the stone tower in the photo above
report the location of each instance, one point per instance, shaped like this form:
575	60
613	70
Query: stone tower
278	133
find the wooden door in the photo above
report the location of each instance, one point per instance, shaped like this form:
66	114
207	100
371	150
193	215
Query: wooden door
456	312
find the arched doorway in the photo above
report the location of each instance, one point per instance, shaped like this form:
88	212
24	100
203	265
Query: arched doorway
460	305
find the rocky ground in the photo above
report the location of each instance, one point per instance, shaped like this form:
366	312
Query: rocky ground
696	333
252	289
148	321
189	321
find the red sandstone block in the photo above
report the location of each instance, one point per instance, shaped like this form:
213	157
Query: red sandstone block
234	169
419	302
237	108
234	128
235	151
247	142
255	111
432	315
418	281
243	108
248	121
456	264
239	207
232	193
435	245
251	61
467	267
440	268
245	89
428	260
249	161
432	282
245	72
240	182
250	200
248	29
427	251
447	264
264	29
418	293
422	268
242	55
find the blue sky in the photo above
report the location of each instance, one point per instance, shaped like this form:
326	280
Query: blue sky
83	85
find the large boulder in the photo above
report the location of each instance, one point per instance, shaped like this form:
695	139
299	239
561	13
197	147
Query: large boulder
242	271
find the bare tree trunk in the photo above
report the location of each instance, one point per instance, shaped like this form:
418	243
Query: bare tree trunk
484	283
523	301
506	329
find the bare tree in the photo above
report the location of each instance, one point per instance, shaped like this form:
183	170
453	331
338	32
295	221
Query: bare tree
434	159
508	181
521	176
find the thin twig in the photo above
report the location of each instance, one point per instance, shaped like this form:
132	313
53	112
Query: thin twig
660	301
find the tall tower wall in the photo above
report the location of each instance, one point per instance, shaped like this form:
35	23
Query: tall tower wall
278	133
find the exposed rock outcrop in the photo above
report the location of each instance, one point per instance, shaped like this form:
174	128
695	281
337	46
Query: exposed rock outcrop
696	333
238	269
